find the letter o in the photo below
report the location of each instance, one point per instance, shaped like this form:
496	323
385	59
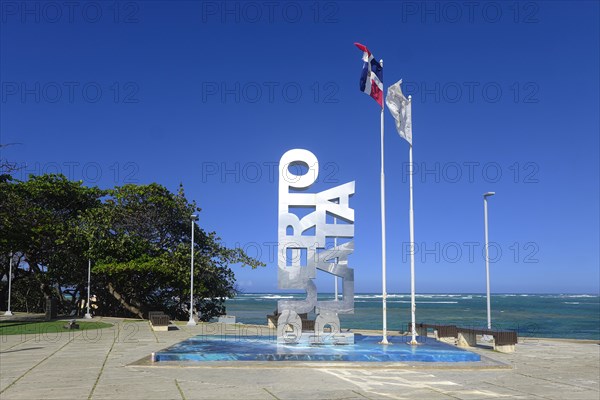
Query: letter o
486	94
247	88
498	12
289	318
286	95
98	12
298	156
96	176
257	174
486	175
297	13
85	92
57	90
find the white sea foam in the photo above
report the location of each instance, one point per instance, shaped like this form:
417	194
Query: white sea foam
425	302
378	296
365	296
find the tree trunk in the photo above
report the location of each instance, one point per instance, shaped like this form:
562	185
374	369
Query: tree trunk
44	286
129	307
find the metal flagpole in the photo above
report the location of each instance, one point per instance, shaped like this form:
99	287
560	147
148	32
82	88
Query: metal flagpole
8	312
401	111
413	305
336	262
87	314
383	282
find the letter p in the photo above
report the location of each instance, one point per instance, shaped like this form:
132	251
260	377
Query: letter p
209	8
209	89
208	169
8	8
9	89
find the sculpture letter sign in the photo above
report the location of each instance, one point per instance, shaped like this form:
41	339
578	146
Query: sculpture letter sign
302	250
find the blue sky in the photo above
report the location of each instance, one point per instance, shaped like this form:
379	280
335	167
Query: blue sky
211	94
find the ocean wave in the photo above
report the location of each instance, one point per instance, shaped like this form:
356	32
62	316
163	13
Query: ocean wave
570	302
367	296
424	302
417	295
408	302
378	296
371	297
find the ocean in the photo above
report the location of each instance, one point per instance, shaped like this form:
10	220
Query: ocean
575	316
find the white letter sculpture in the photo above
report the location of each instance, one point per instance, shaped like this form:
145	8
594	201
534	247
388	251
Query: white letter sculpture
302	250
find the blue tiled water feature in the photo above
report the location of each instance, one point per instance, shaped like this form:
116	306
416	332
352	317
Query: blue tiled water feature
265	348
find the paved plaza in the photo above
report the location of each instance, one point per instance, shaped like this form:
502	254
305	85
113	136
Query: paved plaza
112	363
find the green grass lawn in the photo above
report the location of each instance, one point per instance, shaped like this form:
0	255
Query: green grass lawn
34	327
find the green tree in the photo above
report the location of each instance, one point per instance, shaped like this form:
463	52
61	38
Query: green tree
137	236
141	239
39	221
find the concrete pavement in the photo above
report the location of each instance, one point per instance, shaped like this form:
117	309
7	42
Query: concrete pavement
105	364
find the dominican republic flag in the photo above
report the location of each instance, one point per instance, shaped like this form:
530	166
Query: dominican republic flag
371	79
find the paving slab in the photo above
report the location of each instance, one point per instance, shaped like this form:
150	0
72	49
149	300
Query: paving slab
105	364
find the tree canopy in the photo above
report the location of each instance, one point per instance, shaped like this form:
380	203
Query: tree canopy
136	236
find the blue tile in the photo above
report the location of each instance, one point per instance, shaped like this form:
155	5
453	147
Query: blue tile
265	348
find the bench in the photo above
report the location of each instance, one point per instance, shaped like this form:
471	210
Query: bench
444	333
159	320
504	341
307	324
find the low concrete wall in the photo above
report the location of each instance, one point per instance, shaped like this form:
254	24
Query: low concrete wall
466	339
507	348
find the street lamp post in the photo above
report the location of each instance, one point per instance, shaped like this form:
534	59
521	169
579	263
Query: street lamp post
87	314
192	322
8	312
487	257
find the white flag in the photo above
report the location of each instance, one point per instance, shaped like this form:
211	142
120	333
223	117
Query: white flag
400	108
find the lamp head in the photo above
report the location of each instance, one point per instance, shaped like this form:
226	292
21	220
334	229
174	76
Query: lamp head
488	194
194	217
